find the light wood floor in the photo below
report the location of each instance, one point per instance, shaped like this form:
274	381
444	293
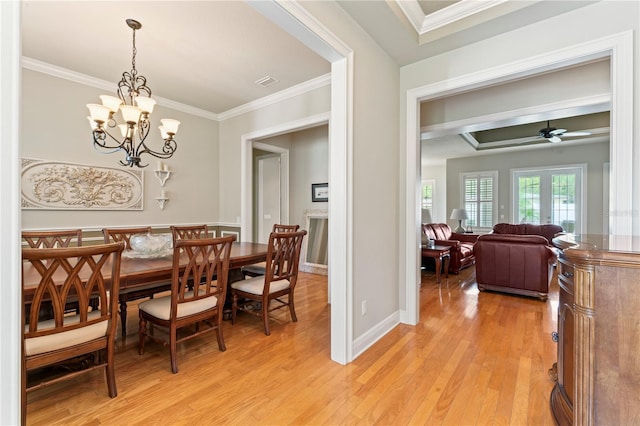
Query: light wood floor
473	359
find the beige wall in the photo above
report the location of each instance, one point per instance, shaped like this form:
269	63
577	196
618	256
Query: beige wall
594	155
583	81
54	127
231	131
308	164
375	171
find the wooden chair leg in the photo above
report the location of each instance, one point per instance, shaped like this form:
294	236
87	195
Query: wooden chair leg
234	308
173	350
123	316
265	316
219	335
292	308
111	372
142	333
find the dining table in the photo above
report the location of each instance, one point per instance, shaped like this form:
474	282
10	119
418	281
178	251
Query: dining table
142	276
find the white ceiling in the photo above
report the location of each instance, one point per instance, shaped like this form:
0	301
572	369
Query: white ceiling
208	54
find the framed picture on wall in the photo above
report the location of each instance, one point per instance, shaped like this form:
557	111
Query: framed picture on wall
319	192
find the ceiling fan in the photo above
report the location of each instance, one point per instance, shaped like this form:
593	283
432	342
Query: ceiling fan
553	135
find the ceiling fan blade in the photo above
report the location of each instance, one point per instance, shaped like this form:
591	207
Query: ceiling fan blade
557	131
554	139
577	134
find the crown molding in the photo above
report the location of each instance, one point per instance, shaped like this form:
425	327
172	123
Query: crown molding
307	86
424	23
76	77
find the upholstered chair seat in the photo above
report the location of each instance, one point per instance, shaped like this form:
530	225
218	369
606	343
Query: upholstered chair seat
160	307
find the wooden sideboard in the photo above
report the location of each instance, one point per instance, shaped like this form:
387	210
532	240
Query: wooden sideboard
598	368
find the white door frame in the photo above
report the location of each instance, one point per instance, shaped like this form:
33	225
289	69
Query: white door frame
618	48
284	181
295	19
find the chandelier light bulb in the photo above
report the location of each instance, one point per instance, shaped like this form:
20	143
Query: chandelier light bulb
170	125
163	132
99	113
146	104
92	123
111	102
130	114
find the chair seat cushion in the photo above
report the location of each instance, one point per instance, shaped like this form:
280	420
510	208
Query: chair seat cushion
256	268
160	307
65	339
256	284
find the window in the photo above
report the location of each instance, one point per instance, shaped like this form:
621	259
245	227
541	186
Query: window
428	187
479	192
549	195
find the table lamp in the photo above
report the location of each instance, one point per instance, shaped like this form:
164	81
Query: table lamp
459	215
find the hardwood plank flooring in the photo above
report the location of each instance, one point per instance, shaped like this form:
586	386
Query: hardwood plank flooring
475	358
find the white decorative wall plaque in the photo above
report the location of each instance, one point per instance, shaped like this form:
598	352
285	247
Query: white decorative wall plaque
54	185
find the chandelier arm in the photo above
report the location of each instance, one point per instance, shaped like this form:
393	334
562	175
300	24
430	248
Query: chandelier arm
168	148
100	139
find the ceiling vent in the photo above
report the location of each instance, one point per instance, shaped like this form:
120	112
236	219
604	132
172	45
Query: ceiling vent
266	81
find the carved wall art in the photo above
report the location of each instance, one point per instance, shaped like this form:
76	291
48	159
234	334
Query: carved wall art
54	185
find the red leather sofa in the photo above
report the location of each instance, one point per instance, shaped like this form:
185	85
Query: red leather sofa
461	245
547	230
518	264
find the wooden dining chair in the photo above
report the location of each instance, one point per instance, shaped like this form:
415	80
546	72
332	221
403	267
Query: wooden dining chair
188	232
258	269
283	256
53	239
208	257
140	291
123	234
74	274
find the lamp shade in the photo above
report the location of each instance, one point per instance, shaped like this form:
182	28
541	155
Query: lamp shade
426	216
459	214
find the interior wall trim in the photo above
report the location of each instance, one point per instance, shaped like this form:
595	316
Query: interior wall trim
619	47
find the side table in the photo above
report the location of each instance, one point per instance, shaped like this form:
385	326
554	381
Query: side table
438	253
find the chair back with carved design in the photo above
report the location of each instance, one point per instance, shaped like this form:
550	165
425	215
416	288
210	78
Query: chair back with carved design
58	277
198	292
189	232
53	239
123	234
277	227
279	280
259	268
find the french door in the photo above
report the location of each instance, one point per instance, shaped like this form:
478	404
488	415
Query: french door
550	195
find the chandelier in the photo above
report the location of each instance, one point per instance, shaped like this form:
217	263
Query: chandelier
135	105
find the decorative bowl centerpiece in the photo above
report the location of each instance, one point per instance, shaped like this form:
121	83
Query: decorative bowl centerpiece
151	245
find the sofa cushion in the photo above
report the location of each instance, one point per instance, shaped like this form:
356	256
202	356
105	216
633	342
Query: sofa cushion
546	230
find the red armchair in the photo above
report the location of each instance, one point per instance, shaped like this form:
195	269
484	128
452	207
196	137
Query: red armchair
461	245
518	264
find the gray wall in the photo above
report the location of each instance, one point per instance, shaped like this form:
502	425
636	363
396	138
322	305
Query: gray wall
308	164
55	127
594	155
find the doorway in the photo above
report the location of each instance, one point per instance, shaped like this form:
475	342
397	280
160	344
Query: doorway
618	48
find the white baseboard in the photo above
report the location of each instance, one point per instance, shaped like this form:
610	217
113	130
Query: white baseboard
365	341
